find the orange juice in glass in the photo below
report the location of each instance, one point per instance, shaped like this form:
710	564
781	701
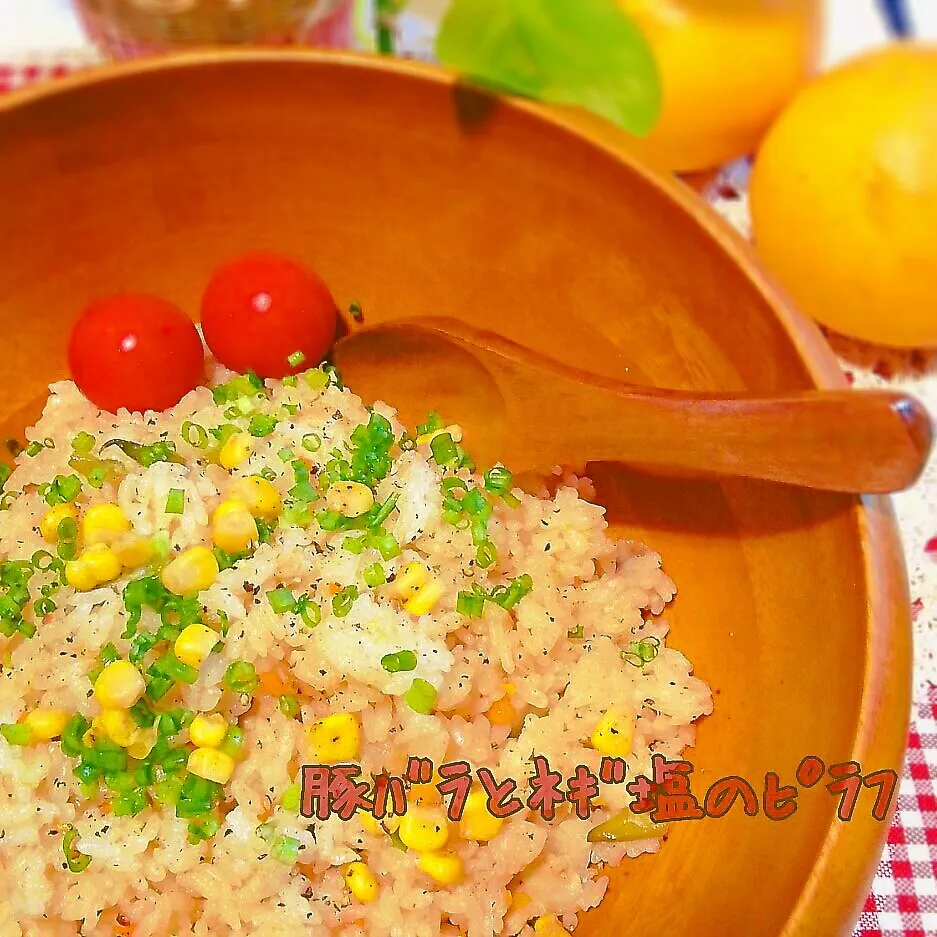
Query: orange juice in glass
128	28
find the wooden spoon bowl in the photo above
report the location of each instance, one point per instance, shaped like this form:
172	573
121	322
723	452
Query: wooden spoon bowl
861	442
416	197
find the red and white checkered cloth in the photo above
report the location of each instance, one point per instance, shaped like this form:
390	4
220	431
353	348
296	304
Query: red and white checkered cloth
903	902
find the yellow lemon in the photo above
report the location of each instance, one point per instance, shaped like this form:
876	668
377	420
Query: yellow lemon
728	68
844	198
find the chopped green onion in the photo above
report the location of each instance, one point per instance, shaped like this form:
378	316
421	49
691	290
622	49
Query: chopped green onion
130	804
142	715
203	828
97	476
166	791
281	600
375	575
241	677
72	735
486	555
296	359
42	560
264	530
343	601
577	633
268	473
16	733
175	501
233	741
75	860
62	490
354	310
303	491
421	697
285	849
384	511
286	454
289	706
195	435
498	480
83	443
291	798
140	646
162	451
508	596
308	610
261	425
169	665
470	604
433	422
44	607
643	652
316	378
399	662
354	545
312	442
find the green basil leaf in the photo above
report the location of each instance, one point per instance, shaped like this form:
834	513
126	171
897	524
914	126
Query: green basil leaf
583	53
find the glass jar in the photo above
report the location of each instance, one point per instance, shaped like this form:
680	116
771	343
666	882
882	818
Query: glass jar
126	29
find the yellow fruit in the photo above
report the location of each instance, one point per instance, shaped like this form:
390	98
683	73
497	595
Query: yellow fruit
844	198
727	68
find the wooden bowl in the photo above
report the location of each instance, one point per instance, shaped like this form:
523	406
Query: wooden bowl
414	196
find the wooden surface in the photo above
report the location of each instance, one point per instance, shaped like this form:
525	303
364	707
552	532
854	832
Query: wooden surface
415	198
860	442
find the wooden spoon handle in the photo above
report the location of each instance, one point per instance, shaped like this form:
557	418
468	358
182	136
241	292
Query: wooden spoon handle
862	442
855	441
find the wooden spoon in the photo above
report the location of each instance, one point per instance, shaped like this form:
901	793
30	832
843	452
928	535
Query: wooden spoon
531	413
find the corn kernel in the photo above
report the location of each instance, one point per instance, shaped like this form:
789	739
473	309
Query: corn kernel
102	563
425	600
79	575
362	882
208	731
211	764
119	686
236	451
104	523
47	724
614	734
49	525
350	499
133	551
119	726
191	572
478	823
233	526
259	496
195	644
144	744
425	829
336	739
442	867
502	713
455	431
549	926
410	580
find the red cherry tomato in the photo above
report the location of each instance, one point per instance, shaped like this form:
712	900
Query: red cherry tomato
261	309
138	352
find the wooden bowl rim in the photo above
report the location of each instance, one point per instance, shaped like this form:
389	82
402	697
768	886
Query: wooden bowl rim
824	903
